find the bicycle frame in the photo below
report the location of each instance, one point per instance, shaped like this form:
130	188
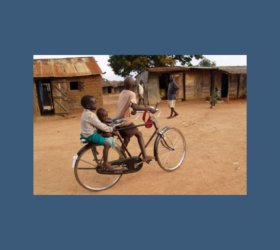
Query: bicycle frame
151	138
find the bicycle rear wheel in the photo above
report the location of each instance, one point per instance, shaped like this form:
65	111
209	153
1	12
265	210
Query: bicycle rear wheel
170	149
85	168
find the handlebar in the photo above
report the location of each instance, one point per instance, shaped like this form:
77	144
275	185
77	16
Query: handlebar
140	112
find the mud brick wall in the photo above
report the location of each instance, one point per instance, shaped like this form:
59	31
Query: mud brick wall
92	86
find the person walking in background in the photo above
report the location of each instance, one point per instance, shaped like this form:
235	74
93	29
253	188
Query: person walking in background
214	95
171	96
141	92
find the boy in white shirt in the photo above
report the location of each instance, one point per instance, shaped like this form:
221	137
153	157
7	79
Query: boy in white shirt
141	92
90	123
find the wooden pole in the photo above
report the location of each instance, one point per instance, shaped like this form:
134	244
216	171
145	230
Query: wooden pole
238	88
228	88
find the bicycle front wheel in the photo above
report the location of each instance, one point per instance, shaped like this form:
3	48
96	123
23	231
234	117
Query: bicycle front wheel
85	168
170	149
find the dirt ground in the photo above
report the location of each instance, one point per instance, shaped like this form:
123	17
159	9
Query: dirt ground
215	162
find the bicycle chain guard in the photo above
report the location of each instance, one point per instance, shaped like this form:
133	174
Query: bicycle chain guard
123	166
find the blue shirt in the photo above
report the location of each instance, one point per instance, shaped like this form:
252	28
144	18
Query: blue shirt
171	92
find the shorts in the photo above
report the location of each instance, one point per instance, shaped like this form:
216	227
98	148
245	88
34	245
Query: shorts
171	103
111	141
95	138
128	132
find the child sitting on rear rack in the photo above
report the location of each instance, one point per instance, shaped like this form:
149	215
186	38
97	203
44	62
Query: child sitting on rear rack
103	117
90	123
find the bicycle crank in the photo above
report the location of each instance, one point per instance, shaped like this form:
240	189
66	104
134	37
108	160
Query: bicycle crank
123	166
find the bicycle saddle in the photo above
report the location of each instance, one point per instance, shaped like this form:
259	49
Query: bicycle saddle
116	120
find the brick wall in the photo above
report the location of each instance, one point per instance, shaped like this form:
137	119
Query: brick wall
92	86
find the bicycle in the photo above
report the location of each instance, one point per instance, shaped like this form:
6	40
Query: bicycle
169	152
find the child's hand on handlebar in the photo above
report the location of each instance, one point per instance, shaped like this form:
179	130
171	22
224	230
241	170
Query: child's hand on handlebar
115	132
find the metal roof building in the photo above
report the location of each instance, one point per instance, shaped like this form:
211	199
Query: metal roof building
194	82
59	84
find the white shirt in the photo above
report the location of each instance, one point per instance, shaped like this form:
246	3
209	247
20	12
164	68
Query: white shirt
141	89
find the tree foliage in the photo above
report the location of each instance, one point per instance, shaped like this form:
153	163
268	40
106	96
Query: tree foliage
127	64
206	63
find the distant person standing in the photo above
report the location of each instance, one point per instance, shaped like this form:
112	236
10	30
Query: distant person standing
171	96
214	95
141	92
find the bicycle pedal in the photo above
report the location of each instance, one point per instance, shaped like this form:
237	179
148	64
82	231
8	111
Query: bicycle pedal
149	162
137	164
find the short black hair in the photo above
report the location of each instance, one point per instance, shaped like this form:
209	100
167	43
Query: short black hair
100	112
128	82
86	100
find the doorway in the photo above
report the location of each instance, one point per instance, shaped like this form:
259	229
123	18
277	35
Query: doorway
224	85
212	84
109	90
163	85
44	93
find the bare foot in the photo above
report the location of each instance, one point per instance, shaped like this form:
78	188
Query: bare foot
148	158
175	114
108	166
169	117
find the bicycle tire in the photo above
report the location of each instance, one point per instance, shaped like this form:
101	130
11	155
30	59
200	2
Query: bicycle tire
85	168
170	149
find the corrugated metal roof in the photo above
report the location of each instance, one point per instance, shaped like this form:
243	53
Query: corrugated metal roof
66	67
234	69
229	69
175	68
192	67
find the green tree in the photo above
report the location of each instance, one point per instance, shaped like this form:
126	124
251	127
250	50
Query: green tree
206	63
127	64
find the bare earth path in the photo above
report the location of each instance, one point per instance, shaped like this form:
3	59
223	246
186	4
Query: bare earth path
215	163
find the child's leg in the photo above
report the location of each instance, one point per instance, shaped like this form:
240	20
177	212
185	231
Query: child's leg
175	113
142	147
105	156
126	140
172	109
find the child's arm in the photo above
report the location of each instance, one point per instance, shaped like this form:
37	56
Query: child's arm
101	126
